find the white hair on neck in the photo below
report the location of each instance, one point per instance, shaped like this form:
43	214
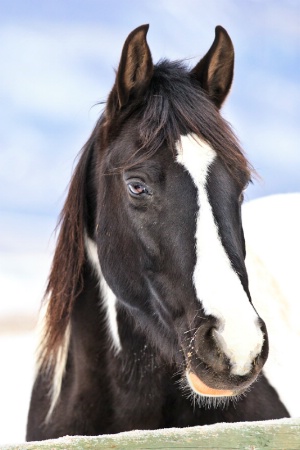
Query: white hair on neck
56	365
107	296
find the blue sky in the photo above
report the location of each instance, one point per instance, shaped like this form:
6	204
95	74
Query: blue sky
58	60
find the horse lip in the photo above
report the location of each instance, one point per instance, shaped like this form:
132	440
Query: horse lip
203	389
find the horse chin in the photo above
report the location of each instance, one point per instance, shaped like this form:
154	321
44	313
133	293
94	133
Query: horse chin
203	389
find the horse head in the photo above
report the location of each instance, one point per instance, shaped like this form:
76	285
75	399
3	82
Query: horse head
169	179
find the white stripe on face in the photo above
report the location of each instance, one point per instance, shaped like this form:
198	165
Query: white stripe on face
108	297
217	285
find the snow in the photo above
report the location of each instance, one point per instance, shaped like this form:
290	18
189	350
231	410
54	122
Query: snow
254	432
16	376
271	227
25	256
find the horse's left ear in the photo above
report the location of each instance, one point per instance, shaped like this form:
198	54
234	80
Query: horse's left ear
136	67
215	70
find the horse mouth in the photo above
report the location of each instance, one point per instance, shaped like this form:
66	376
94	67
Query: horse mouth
203	389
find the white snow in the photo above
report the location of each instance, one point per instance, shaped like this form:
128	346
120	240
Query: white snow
16	376
272	230
25	257
271	226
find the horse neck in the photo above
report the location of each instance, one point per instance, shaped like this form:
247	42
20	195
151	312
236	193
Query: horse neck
101	327
88	328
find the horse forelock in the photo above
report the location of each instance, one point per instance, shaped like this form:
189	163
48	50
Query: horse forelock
175	105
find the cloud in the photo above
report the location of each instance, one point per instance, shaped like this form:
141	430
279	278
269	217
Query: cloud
47	91
57	63
46	69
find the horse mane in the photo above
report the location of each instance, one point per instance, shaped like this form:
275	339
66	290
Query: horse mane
173	105
65	281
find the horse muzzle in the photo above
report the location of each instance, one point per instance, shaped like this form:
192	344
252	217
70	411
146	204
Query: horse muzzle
209	370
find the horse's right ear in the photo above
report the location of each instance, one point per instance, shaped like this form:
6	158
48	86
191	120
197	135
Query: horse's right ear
135	69
215	70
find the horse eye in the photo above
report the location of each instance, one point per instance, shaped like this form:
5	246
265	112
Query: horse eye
137	188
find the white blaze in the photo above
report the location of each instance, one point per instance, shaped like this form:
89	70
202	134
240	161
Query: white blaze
217	285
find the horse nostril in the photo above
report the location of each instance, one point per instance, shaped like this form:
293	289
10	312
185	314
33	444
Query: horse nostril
265	348
208	349
262	357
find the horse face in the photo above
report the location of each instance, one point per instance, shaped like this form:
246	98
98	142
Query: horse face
173	254
170	238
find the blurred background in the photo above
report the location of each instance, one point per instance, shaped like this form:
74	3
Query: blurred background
57	62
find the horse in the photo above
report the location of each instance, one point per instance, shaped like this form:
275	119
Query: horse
148	320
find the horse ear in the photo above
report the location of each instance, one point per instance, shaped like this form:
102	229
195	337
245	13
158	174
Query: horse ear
215	70
136	66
